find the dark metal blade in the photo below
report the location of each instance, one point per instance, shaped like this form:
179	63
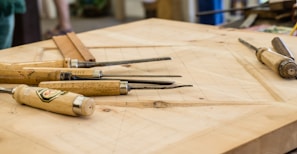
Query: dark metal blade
158	82
98	64
159	87
115	75
247	44
6	90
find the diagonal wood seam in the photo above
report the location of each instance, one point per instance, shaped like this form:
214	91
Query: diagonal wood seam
257	75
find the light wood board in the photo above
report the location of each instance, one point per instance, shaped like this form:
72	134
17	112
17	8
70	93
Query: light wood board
236	104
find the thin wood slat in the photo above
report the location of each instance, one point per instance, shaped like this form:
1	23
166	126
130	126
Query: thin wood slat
72	47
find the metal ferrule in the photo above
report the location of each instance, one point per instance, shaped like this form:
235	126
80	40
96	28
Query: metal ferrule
259	52
65	75
287	68
74	63
77	105
124	88
97	74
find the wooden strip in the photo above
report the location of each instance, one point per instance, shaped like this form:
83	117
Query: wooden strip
83	50
66	48
71	47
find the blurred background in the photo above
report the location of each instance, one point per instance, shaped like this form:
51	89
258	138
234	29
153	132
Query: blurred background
261	15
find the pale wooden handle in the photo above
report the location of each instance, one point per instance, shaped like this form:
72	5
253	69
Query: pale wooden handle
81	72
87	88
14	66
57	101
29	77
275	61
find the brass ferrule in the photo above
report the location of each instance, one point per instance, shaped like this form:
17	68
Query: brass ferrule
124	88
77	105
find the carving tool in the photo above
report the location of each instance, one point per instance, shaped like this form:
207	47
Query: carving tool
281	48
56	101
74	63
33	77
159	82
86	64
87	72
280	64
101	88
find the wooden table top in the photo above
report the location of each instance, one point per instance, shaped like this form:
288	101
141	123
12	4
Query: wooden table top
236	104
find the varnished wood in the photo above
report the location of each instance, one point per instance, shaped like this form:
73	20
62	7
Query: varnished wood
30	77
82	72
86	88
21	65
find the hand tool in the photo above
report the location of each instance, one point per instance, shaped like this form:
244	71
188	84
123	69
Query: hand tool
52	100
280	64
20	65
159	82
74	63
101	88
34	77
86	64
281	48
31	77
87	72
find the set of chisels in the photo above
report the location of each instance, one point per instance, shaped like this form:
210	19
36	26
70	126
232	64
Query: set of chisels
65	86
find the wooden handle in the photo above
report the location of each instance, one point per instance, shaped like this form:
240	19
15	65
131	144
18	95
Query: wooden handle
283	65
89	88
14	66
57	101
30	77
81	72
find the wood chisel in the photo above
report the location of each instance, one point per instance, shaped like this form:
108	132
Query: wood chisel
34	77
31	77
100	88
280	64
96	73
74	63
281	48
57	101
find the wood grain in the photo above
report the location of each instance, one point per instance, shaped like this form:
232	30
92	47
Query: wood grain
236	104
71	47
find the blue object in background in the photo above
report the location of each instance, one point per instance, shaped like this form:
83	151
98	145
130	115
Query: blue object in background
210	5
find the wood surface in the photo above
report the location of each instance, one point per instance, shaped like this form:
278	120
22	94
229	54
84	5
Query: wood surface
236	104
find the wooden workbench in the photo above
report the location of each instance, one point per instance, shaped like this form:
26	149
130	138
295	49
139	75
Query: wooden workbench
237	105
